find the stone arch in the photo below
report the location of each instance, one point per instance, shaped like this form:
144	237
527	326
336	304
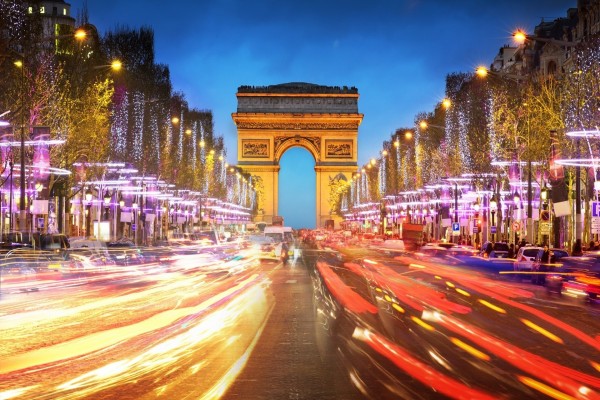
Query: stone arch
296	141
323	120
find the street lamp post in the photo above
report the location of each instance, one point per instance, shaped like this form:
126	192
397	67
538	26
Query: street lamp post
493	208
578	216
88	222
529	203
521	37
22	209
106	201
545	212
517	204
455	208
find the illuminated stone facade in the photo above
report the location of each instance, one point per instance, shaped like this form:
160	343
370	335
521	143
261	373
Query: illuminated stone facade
322	119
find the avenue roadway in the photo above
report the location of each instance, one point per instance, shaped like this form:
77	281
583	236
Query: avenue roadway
226	325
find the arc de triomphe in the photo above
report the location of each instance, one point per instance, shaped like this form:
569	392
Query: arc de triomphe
322	119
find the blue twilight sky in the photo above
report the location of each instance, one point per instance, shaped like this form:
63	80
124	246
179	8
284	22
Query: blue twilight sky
396	52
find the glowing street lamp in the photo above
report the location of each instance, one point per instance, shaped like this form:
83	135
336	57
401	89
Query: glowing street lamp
424	125
484	72
116	65
544	193
516	199
520	37
493	208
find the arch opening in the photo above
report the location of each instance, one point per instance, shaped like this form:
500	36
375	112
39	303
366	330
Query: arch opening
297	194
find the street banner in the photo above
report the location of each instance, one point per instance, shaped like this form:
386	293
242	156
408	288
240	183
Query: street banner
562	208
6	137
126	216
557	171
41	150
40	207
514	170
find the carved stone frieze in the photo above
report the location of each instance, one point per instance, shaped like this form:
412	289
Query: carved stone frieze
338	148
280	141
331	104
297	125
255	148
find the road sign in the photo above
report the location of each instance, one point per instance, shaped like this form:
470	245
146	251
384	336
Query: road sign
545	228
455	228
595	208
595	225
493	228
516	225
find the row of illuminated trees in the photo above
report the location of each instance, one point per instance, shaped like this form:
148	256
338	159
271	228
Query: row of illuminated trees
68	82
486	119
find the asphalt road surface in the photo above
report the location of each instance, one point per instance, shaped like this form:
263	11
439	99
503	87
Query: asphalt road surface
290	360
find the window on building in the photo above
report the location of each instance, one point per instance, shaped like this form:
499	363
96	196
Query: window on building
42	10
54	10
30	10
64	11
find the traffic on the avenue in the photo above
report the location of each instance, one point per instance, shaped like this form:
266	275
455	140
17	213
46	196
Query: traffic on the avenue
188	320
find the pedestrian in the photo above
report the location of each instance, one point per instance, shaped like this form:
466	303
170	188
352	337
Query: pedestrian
577	250
511	251
540	277
489	249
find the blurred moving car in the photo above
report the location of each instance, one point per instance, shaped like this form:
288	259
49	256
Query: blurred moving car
461	251
265	245
87	261
499	249
541	269
55	242
576	276
28	261
431	250
525	257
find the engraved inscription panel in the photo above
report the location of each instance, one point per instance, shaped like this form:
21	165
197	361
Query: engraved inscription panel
338	148
257	148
